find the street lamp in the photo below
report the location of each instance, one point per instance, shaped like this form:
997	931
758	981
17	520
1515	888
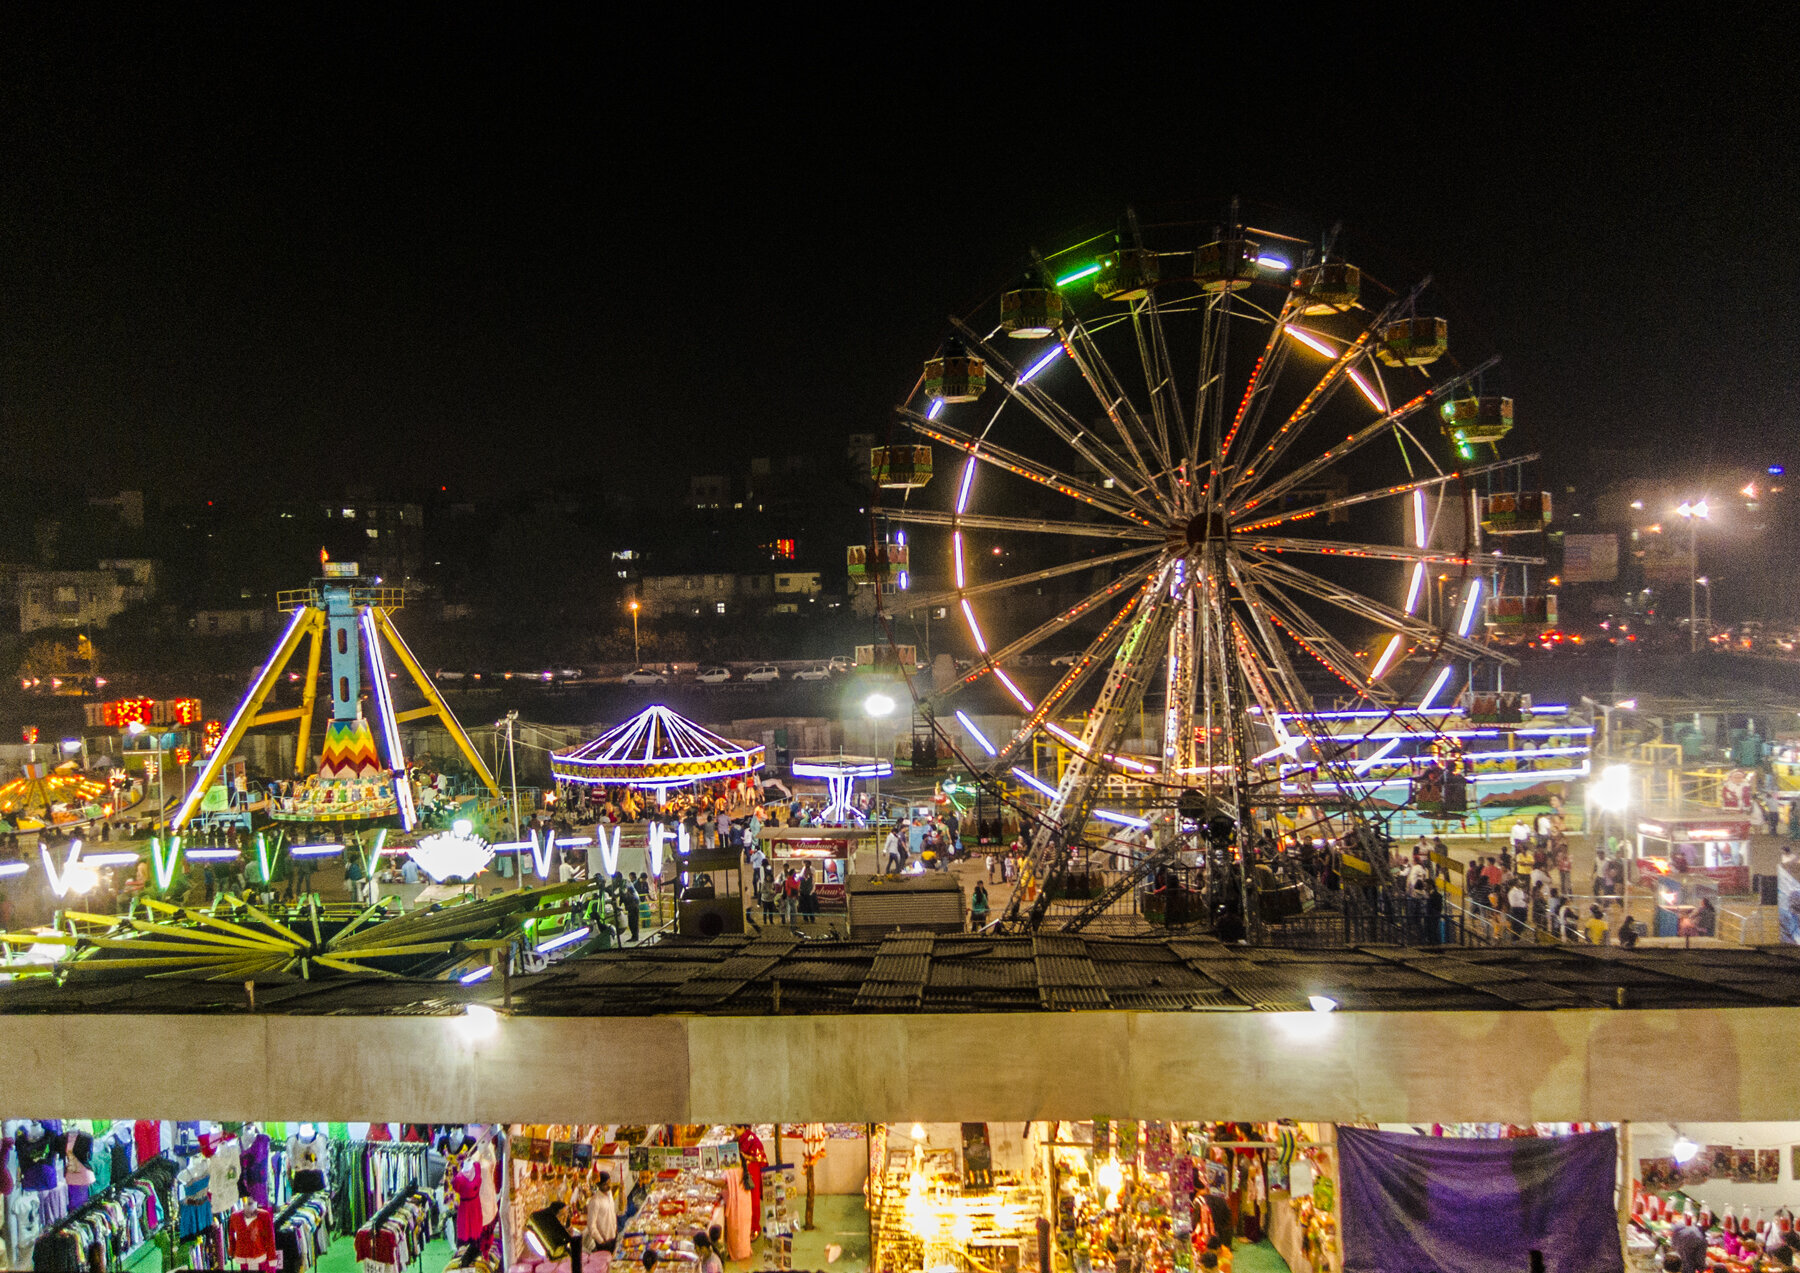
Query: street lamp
1694	512
1706	583
636	658
877	706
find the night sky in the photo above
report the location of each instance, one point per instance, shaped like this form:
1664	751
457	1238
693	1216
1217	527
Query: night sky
249	251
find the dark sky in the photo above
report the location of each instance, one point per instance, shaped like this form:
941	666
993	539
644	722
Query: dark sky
282	252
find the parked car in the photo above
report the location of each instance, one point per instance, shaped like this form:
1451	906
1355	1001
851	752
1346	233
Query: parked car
817	672
1064	660
841	663
644	676
763	672
713	675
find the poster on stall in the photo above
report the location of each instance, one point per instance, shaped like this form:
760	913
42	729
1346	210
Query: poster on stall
778	1192
778	1251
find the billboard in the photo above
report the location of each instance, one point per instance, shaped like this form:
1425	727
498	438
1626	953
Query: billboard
1590	558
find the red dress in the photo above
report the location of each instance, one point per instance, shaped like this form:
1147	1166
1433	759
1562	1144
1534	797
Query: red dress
755	1157
467	1185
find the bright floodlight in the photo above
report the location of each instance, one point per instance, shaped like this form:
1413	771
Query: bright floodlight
1683	1149
1322	1003
1696	509
878	705
136	727
1613	788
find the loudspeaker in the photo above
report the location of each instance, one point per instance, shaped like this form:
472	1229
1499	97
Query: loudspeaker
710	917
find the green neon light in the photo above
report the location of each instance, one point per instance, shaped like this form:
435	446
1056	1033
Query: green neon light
262	856
165	868
1078	275
369	862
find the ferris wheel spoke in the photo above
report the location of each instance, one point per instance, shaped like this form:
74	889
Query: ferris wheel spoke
1324	648
953	595
1364	497
1020	525
1090	660
1011	461
1266	371
1078	339
1368	608
1256	606
1159	376
1384	422
1074	434
1377	552
993	660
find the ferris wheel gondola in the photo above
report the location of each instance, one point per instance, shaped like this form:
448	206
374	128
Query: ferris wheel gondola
1171	415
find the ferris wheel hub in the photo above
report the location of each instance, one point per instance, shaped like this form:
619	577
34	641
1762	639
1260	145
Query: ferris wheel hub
1200	529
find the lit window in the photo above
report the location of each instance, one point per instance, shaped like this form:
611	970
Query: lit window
373	533
720	607
624	574
350	513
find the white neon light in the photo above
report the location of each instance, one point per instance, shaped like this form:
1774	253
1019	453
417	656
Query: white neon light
656	748
75	876
1271	263
609	851
13	868
480	974
448	854
1363	766
845	769
1419	527
1417	585
968	479
1031	780
1367	391
194	855
1425	703
193	797
1468	614
975	628
1364	713
1536	775
935	410
390	723
309	850
1125	761
956	555
1040	364
1387	656
1014	690
659	835
980	738
1476	757
557	943
1311	341
1123	819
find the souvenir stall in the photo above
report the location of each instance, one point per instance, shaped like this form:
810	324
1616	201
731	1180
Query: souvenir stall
124	1220
69	1184
670	1183
967	1195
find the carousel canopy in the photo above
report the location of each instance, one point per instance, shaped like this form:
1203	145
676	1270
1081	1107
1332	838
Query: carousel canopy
656	748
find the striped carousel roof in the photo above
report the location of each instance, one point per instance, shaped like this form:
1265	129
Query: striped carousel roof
656	748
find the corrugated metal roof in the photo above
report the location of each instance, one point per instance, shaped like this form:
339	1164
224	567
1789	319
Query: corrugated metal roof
917	972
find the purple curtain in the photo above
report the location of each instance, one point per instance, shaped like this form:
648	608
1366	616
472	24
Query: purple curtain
1429	1204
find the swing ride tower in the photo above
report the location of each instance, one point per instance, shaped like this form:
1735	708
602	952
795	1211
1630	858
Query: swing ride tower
361	774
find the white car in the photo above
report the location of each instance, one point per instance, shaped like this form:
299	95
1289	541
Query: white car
841	663
763	672
1064	660
644	676
817	672
713	675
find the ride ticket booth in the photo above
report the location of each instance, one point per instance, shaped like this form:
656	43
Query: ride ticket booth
1686	859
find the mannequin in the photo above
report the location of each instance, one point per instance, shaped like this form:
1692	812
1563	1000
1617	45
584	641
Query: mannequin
250	1235
253	1176
39	1147
78	1170
307	1158
224	1163
465	1184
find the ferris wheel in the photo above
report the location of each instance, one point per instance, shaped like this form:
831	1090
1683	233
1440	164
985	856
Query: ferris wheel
1179	419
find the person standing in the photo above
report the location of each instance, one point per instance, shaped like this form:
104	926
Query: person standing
978	908
1517	903
602	1229
809	897
790	899
893	850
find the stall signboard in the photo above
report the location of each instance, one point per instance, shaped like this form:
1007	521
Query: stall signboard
1590	558
684	1157
827	855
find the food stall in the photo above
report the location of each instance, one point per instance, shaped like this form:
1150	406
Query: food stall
1697	855
825	851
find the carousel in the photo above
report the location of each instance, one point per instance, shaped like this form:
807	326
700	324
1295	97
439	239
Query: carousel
656	750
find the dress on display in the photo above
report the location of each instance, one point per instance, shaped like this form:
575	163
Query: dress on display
250	1237
466	1184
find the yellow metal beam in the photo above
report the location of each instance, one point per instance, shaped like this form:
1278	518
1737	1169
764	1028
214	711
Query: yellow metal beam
417	713
275	718
435	699
308	695
247	710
